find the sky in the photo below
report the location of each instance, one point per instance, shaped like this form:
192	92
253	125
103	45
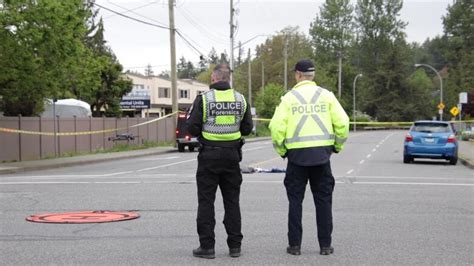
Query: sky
206	24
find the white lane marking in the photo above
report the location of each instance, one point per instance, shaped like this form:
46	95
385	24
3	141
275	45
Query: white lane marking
361	162
157	159
413	183
377	145
59	177
373	150
66	176
254	149
349	172
249	181
368	155
409	177
166	165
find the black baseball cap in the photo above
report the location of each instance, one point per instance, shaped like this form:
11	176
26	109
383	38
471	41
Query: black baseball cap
304	65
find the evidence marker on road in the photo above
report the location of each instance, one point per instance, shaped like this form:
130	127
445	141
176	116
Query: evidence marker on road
83	217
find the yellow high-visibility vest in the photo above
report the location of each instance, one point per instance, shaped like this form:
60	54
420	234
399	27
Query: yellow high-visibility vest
308	116
223	110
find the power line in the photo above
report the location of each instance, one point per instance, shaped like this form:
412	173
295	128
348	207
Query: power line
155	25
197	44
132	18
203	29
131	11
189	44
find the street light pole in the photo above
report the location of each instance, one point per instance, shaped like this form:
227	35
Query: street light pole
440	85
232	28
354	100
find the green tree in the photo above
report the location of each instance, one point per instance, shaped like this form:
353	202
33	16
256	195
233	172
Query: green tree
186	69
458	24
332	36
421	103
105	97
384	58
268	99
213	58
149	71
332	31
41	43
269	55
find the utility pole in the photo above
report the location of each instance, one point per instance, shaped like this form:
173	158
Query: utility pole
263	79
232	27
174	86
285	73
339	82
250	79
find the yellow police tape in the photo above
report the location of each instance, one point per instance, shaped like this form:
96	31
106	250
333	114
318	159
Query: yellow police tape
11	130
27	132
377	123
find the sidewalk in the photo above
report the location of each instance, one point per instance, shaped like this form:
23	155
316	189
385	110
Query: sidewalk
466	153
466	157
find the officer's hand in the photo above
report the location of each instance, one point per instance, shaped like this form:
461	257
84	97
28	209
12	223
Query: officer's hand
334	149
283	156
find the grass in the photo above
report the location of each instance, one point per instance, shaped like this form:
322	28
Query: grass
116	148
261	130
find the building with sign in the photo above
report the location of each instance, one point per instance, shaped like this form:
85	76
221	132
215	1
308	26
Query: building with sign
158	91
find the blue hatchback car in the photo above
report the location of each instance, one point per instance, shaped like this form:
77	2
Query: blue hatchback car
431	139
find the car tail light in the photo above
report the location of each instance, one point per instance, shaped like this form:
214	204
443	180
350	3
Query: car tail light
182	116
451	139
177	132
187	138
408	138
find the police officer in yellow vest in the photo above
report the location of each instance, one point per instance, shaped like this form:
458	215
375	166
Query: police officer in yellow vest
219	118
307	127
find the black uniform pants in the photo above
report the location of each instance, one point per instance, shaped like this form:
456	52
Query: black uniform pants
218	167
322	185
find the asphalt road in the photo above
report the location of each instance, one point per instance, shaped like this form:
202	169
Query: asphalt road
385	212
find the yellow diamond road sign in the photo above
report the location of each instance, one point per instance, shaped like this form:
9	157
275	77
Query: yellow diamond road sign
454	111
441	106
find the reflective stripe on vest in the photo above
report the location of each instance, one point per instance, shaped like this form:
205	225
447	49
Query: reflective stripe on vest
296	136
213	109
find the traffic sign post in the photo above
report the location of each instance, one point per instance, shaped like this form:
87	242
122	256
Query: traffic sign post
440	111
454	111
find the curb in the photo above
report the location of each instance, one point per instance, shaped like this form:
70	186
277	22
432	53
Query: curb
90	159
55	165
466	163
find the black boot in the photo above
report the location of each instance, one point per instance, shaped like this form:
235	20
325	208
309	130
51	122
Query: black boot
204	253
326	251
294	250
234	252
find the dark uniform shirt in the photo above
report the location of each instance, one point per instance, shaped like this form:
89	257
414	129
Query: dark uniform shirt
194	121
310	156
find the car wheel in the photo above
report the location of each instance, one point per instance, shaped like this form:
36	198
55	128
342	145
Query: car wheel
407	159
191	148
180	147
453	160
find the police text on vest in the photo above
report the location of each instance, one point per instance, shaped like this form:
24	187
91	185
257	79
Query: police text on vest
225	108
309	109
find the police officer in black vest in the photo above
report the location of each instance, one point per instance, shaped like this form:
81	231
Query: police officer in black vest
219	118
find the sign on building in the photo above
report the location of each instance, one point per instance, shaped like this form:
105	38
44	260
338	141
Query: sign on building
138	98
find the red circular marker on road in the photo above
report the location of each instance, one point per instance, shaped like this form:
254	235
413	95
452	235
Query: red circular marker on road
83	217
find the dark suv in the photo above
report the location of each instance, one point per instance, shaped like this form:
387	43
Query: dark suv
183	138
